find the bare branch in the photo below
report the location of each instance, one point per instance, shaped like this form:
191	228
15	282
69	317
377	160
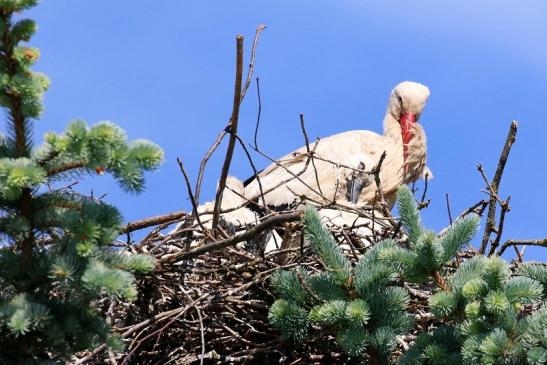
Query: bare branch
448	208
491	217
499	231
233	130
218	245
190	194
204	161
306	139
259	112
541	243
221	135
259	30
154	221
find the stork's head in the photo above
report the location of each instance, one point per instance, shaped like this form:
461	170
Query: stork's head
407	100
406	103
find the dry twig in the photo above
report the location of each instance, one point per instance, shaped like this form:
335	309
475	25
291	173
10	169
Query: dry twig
494	186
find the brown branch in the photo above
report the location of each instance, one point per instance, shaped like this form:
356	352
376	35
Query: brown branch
233	130
259	112
422	200
293	175
66	167
541	243
499	231
204	161
178	313
376	173
491	216
448	208
221	135
153	221
255	171
306	139
218	245
190	194
441	283
259	30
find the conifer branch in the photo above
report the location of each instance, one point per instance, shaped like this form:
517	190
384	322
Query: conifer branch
73	165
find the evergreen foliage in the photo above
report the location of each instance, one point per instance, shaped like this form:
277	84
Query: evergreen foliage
361	305
486	313
55	255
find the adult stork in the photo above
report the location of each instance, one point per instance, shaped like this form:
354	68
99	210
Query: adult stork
341	161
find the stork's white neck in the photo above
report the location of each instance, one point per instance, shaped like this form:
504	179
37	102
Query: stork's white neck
392	128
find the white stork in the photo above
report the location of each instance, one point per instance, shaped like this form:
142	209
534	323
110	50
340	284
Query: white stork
340	159
233	201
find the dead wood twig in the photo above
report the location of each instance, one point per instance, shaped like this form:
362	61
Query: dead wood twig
221	135
258	31
499	231
448	208
306	139
508	243
153	221
259	112
190	194
232	130
494	186
217	245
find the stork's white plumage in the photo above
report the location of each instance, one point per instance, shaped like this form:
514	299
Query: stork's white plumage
404	142
233	202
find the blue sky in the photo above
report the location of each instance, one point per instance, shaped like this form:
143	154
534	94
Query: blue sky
164	70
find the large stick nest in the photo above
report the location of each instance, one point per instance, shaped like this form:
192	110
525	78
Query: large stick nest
214	306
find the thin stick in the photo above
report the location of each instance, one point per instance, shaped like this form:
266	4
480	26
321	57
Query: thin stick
221	135
259	112
202	336
504	209
255	171
491	216
306	139
233	130
448	208
192	199
425	187
259	30
204	161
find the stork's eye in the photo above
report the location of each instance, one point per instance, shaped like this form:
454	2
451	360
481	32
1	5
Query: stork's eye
400	99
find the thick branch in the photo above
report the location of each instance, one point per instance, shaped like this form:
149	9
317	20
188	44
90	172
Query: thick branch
491	216
252	232
221	135
233	130
153	221
508	243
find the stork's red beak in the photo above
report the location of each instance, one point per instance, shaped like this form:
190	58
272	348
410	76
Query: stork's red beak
407	120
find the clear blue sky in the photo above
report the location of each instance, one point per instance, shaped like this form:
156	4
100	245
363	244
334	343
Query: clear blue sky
164	70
